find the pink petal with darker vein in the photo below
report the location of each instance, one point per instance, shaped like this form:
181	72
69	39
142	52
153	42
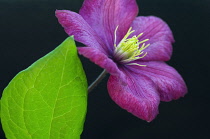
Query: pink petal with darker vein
169	83
102	60
74	24
159	35
139	97
105	15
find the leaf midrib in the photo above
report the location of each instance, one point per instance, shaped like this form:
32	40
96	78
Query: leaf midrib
50	129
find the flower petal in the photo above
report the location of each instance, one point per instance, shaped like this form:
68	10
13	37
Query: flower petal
169	83
75	25
105	15
139	97
159	35
102	60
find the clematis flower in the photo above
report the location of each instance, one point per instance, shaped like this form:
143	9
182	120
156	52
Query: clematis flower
132	49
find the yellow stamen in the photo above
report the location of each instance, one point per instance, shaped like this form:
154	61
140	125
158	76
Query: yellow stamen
130	49
136	64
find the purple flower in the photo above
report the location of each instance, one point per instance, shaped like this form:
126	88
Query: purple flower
132	49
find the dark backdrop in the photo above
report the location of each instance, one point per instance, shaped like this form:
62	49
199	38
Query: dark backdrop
29	30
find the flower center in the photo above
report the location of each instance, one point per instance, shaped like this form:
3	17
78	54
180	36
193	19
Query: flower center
130	49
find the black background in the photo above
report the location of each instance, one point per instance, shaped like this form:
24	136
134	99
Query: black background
29	30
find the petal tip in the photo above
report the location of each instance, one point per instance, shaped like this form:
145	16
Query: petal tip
142	101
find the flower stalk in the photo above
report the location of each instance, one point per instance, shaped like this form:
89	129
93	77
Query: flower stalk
97	81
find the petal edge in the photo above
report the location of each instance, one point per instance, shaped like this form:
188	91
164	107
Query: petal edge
102	60
74	24
159	34
170	84
139	97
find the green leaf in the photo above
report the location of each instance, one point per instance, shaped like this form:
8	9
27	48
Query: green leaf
48	100
0	108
